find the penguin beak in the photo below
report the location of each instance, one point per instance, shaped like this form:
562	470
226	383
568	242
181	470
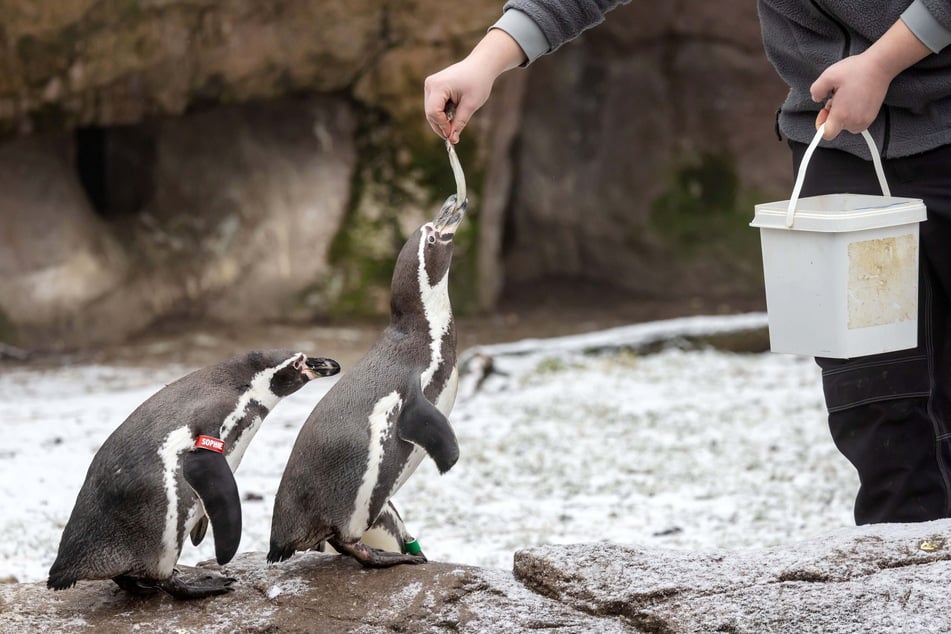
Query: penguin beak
450	217
319	366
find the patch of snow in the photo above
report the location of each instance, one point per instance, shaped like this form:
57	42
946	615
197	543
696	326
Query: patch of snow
289	586
403	597
684	449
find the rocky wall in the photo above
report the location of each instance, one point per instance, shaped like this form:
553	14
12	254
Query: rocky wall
245	162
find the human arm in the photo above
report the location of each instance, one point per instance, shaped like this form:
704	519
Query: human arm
527	30
854	88
468	83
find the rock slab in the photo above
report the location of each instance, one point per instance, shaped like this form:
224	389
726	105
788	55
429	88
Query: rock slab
884	578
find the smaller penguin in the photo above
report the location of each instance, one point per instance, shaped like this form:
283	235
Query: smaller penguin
168	469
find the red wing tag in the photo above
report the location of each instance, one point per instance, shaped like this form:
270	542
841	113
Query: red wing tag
210	443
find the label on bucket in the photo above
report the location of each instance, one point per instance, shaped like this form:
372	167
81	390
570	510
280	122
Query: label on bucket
883	281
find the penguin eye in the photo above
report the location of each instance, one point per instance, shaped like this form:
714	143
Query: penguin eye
431	239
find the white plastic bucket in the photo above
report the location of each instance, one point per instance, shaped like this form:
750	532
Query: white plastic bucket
841	270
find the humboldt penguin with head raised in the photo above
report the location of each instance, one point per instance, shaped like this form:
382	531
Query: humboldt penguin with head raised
371	430
168	469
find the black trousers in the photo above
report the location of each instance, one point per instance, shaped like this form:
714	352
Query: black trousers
890	414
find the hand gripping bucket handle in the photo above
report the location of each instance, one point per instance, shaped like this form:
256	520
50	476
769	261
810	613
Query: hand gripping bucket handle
876	160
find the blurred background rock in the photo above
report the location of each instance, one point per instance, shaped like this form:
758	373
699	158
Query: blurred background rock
244	162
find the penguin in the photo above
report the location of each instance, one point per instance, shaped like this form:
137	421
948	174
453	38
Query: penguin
370	432
167	471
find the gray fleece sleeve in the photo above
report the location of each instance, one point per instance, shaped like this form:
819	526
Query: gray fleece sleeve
930	21
541	26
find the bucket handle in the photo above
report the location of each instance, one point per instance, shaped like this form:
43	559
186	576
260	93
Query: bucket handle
876	160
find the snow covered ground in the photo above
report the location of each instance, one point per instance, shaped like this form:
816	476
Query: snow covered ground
567	441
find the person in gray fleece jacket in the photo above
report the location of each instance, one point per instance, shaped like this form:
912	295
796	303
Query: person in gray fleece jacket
850	65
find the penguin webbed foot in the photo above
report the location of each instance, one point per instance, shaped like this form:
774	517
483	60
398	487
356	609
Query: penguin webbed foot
136	585
374	557
175	586
202	587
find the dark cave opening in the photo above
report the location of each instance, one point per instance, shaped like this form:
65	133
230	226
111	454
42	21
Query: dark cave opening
116	166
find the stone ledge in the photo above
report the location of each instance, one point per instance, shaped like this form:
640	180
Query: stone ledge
312	592
877	578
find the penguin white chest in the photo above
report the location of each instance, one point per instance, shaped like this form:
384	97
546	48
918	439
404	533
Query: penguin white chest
447	397
260	393
381	421
175	443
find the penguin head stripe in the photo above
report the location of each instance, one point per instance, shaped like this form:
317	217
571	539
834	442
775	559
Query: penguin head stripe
434	254
435	297
259	391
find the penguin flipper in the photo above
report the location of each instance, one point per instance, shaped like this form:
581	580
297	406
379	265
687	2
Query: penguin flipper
198	532
208	473
425	426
